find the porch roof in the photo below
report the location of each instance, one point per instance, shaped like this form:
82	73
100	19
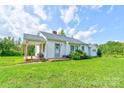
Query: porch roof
31	37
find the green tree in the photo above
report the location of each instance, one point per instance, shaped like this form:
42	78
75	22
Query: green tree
99	53
19	41
8	46
31	50
62	32
112	48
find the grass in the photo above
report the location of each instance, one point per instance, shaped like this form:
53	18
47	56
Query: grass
10	60
95	72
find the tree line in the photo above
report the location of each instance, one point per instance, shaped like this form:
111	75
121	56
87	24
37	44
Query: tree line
112	48
10	47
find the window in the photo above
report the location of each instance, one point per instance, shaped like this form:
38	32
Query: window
72	48
94	50
76	47
82	48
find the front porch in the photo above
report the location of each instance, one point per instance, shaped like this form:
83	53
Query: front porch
39	48
39	51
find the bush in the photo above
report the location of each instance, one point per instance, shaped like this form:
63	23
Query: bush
31	49
66	56
11	53
99	53
112	49
77	55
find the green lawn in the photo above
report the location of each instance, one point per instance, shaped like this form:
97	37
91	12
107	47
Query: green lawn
96	72
4	61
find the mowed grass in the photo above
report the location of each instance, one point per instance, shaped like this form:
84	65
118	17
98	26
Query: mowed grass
95	72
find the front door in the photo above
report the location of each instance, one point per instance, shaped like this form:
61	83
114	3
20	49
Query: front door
57	50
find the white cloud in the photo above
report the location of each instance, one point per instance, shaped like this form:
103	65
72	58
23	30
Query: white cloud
96	6
110	9
69	14
83	35
93	27
87	18
118	41
45	28
39	10
14	21
70	31
77	19
59	29
93	7
86	36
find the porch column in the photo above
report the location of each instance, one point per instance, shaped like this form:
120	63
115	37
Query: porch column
26	51
40	49
37	49
45	50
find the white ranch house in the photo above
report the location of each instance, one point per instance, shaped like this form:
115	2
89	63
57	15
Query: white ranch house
56	46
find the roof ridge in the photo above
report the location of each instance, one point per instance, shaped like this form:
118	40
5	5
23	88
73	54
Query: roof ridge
52	33
59	35
62	36
31	34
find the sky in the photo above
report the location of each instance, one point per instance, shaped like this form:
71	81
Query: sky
90	24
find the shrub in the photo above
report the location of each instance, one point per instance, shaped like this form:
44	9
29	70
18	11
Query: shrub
99	53
11	53
66	56
112	49
77	55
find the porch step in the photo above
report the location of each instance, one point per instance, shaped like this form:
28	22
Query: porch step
57	59
35	60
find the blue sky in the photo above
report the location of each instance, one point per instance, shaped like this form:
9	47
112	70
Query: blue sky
91	24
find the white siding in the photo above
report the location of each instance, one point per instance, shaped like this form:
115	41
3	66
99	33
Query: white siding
50	49
64	49
37	49
93	53
86	50
67	48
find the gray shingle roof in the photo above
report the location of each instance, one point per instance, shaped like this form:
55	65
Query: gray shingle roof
61	38
50	36
32	37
